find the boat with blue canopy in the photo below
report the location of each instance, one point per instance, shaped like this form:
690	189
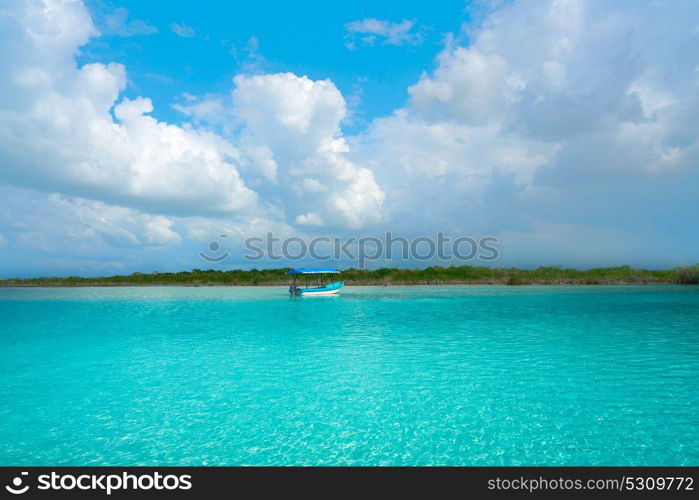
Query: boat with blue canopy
316	282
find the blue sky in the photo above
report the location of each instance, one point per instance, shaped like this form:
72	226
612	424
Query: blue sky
132	134
305	38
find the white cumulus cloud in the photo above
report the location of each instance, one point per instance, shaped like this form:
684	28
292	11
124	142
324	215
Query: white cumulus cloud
565	113
297	121
57	131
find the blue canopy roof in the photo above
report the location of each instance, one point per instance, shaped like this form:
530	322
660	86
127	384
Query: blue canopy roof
313	271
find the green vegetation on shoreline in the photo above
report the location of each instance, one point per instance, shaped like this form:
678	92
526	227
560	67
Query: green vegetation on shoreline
472	275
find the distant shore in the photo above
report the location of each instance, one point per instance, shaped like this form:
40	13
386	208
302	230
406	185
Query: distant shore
262	285
454	275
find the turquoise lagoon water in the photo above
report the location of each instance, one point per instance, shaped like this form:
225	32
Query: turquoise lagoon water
397	375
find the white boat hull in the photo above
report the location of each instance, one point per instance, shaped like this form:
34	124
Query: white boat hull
317	294
329	289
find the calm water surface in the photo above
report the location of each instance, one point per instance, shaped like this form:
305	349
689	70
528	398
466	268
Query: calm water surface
397	375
